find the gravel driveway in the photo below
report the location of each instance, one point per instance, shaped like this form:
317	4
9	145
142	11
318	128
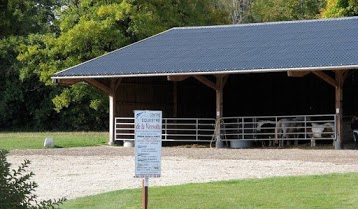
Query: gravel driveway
77	172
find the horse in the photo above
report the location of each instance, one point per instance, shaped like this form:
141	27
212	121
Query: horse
287	127
266	129
317	129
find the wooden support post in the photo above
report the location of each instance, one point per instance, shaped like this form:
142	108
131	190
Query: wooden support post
111	119
112	109
218	87
337	83
219	110
175	99
339	110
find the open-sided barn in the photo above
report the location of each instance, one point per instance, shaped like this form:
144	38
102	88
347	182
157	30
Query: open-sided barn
283	68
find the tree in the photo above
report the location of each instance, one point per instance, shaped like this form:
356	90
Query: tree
14	16
247	11
22	100
340	8
16	189
285	10
88	29
62	33
240	11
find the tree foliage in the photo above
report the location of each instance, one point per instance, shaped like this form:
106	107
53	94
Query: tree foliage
285	10
340	8
240	11
14	16
22	101
16	189
87	29
63	33
245	11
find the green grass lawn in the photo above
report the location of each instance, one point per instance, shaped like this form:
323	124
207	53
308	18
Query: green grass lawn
35	140
326	191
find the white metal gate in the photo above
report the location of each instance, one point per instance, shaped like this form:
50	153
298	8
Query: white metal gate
174	129
256	128
292	127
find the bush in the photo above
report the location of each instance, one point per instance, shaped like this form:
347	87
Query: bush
16	189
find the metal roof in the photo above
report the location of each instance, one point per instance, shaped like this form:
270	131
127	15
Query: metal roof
263	47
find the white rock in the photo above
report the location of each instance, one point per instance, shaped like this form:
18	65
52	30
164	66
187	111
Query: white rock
48	143
128	144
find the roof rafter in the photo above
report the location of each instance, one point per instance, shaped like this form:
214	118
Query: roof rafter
99	85
66	81
205	81
297	73
326	78
177	77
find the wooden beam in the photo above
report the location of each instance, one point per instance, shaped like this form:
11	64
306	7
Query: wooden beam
220	84
99	85
225	78
177	77
345	75
205	81
297	73
219	110
117	82
339	109
175	99
112	104
66	81
114	85
326	78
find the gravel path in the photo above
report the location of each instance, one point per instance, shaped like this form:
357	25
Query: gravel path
77	172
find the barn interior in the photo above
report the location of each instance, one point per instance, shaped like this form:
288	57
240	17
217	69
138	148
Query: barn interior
255	94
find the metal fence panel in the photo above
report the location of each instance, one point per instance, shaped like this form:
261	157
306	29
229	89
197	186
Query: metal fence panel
255	128
289	127
174	129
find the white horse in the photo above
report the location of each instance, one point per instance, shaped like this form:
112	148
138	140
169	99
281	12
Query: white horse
317	130
287	127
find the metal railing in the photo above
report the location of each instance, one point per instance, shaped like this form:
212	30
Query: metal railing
293	127
256	128
174	129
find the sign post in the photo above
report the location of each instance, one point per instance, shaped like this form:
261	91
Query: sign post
148	148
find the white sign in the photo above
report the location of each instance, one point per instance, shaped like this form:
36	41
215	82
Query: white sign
148	143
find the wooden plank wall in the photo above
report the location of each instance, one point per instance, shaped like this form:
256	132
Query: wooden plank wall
151	93
189	98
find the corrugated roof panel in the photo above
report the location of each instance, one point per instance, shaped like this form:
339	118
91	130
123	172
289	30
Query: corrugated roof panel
282	45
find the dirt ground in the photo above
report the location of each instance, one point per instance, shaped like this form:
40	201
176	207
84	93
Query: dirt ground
77	172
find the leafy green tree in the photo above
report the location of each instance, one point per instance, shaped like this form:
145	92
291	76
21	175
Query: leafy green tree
20	99
16	189
340	8
246	11
88	29
14	16
285	10
63	33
